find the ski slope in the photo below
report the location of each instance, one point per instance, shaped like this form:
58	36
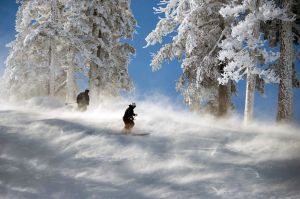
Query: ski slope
50	151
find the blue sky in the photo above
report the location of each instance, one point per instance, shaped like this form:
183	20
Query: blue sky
146	82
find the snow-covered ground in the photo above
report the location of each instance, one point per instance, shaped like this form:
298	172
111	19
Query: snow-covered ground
51	152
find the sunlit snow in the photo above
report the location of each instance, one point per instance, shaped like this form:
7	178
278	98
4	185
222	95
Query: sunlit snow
47	150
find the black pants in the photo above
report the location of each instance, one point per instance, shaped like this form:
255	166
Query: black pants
129	123
82	107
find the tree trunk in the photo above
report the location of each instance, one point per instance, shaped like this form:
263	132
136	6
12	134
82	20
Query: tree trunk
51	70
285	96
94	77
250	88
71	85
51	64
94	84
224	95
249	102
224	100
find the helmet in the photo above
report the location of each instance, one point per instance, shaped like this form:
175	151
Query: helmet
132	104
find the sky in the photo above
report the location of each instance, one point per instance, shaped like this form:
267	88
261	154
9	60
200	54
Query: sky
148	83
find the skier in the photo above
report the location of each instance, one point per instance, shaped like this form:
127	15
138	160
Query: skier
83	100
129	117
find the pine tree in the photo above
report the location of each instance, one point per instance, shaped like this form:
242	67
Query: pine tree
244	48
34	64
21	75
59	38
97	28
197	28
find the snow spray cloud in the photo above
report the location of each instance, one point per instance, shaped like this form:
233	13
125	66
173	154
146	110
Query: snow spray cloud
51	151
158	116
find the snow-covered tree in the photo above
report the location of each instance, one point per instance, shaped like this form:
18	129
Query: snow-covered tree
288	79
34	63
196	28
96	28
66	37
20	76
244	49
120	25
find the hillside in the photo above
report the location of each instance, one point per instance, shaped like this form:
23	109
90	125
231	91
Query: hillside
50	151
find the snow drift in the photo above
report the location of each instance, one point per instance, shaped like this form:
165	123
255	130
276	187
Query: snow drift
50	151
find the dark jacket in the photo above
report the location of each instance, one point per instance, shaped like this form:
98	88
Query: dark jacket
83	98
129	113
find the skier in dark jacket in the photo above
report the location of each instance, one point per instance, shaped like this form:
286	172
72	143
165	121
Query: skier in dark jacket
128	117
83	100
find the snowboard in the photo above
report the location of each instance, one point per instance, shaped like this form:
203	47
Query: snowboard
133	133
138	134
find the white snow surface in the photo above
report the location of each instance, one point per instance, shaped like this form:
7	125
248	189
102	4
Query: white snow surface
51	151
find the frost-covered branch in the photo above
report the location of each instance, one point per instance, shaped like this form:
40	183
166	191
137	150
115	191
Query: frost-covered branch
196	28
243	43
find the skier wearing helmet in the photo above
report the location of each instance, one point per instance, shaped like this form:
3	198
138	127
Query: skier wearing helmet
128	117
